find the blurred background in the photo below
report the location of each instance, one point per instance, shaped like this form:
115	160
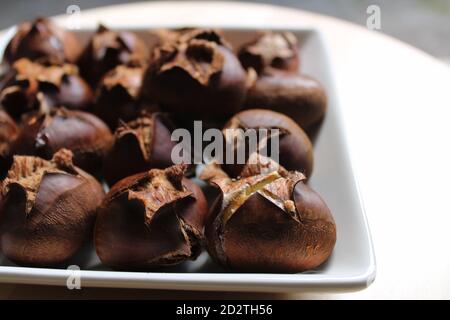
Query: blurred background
422	23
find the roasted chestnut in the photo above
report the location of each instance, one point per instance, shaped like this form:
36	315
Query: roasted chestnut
278	50
107	49
298	96
152	219
83	133
31	84
42	40
48	210
269	222
118	98
139	145
8	133
295	151
197	75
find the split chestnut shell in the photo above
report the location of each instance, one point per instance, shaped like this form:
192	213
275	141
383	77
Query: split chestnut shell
295	151
139	145
197	74
32	86
269	222
48	210
42	40
151	219
83	133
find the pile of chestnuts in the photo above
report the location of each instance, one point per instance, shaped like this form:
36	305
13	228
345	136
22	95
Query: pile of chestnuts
86	151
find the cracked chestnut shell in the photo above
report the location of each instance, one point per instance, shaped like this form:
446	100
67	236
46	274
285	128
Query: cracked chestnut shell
42	40
117	96
197	74
278	50
269	222
139	145
8	133
48	210
295	149
107	49
30	85
298	96
83	133
152	219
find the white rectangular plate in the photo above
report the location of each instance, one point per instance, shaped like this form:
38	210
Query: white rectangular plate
352	264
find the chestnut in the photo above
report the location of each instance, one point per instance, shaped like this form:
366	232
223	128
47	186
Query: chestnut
278	50
295	149
42	40
117	96
107	49
8	133
48	210
269	222
31	84
197	75
83	133
139	145
151	219
298	96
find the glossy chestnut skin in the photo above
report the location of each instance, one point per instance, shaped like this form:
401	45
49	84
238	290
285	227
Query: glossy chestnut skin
30	85
139	145
42	40
83	133
117	96
298	96
202	70
295	148
271	222
48	211
278	50
107	49
152	219
8	133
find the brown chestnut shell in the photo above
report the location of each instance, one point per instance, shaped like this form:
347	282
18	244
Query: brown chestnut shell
107	49
83	133
151	219
117	96
278	50
270	223
298	96
139	145
201	69
295	149
42	40
48	210
32	86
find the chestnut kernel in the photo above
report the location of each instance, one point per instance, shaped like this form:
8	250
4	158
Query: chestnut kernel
118	98
107	49
278	50
269	222
83	133
295	149
139	145
197	74
30	84
152	219
298	96
48	210
8	133
42	40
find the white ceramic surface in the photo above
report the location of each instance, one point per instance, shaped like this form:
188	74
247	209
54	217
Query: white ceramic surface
352	265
